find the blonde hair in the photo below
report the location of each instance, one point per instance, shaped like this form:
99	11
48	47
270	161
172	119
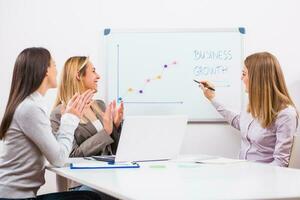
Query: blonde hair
71	82
267	90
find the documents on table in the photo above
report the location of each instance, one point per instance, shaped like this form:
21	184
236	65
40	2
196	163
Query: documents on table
102	165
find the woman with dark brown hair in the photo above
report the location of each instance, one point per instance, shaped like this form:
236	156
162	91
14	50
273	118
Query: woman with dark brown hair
26	129
271	119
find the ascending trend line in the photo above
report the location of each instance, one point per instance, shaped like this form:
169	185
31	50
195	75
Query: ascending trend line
147	81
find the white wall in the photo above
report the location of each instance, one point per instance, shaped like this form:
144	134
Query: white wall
74	27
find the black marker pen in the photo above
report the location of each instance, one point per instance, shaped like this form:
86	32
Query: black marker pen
205	85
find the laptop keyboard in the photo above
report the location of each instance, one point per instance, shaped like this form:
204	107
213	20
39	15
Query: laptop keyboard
107	158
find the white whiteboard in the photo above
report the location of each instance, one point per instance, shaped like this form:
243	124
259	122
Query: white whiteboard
152	72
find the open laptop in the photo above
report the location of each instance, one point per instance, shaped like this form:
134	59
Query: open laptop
148	138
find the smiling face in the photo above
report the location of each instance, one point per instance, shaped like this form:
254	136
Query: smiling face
90	78
51	73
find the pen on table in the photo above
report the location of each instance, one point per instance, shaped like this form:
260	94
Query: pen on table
205	85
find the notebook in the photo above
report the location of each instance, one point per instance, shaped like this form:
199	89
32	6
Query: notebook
102	165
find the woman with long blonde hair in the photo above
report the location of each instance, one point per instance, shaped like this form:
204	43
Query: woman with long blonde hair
271	119
99	129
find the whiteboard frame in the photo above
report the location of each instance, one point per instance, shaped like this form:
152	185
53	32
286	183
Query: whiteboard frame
241	30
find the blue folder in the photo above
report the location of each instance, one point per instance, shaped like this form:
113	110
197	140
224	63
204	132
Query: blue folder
103	165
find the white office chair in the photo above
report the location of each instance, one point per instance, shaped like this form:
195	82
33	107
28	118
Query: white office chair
295	153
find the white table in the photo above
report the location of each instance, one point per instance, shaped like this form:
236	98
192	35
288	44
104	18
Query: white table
186	180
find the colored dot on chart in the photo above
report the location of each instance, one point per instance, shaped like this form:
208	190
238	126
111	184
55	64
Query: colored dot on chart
174	63
130	89
158	77
140	91
120	98
165	66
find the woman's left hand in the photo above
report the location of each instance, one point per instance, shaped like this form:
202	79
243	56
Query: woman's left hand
118	113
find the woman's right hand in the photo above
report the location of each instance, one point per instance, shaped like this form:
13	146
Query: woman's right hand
79	102
208	93
107	117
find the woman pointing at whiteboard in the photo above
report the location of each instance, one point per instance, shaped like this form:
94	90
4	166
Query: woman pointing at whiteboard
270	121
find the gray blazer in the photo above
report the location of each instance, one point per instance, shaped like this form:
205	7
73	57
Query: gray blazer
87	141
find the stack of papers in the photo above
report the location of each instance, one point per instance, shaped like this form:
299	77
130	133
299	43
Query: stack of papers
102	165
